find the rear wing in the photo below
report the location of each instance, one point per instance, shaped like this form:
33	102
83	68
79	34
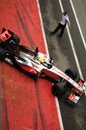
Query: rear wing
5	35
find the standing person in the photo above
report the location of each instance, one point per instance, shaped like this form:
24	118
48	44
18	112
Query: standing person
62	24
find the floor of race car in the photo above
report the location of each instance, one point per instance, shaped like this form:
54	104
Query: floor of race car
26	104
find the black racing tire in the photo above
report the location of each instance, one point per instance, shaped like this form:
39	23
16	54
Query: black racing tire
2	57
58	89
71	73
3	53
16	39
12	43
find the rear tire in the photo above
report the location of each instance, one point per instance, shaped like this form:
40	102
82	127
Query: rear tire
16	39
13	43
2	54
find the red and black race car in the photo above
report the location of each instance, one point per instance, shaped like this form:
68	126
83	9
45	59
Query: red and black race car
39	65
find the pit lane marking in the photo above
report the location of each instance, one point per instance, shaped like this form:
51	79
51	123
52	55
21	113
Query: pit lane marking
45	41
72	45
77	21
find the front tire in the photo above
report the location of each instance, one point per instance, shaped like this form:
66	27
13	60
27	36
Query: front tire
71	73
58	89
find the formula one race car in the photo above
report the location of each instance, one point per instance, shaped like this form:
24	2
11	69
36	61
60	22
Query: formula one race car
38	65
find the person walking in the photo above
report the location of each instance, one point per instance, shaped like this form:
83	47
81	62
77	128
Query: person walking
62	24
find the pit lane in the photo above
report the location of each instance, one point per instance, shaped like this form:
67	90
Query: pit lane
60	50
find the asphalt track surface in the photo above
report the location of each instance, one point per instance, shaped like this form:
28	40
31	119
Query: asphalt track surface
62	54
25	104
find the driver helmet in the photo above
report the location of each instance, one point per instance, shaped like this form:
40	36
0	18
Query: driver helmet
41	59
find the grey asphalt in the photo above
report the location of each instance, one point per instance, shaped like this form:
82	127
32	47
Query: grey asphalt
61	52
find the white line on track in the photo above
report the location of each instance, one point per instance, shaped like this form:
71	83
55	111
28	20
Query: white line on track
57	102
72	45
45	42
77	21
